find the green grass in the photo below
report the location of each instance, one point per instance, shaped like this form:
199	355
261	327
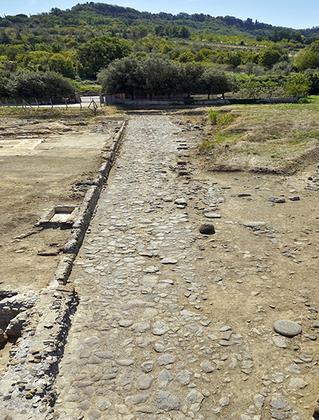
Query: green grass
221	119
212	116
86	88
225	119
305	135
226	137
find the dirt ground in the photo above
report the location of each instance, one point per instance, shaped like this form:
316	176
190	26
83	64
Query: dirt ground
260	266
41	162
260	274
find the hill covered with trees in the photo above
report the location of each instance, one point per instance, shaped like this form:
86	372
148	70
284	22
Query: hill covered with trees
78	43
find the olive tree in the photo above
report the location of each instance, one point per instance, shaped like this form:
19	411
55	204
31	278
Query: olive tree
216	83
160	76
190	78
122	76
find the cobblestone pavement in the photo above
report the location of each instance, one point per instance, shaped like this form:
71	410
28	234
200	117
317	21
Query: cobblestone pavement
143	344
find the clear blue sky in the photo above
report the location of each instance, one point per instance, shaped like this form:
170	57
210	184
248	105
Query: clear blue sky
293	13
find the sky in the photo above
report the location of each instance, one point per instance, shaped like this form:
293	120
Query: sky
291	13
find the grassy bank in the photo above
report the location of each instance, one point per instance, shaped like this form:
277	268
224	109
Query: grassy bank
270	138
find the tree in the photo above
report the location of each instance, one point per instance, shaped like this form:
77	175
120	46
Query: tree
100	52
204	54
62	64
159	30
160	76
7	65
122	76
234	60
308	58
313	76
191	78
269	57
184	32
4	38
298	84
186	56
150	76
5	85
56	86
216	83
29	85
34	60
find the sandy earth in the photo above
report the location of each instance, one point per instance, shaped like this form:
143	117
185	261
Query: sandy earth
40	164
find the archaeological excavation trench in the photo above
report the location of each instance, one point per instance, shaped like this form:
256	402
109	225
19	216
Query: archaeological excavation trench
175	303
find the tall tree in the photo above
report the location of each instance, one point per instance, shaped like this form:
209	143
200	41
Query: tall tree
100	52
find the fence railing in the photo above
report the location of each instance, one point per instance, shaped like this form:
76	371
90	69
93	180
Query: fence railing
113	100
90	102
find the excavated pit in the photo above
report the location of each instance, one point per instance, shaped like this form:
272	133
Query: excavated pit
14	316
61	216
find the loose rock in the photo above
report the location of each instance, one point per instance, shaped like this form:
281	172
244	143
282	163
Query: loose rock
287	328
207	230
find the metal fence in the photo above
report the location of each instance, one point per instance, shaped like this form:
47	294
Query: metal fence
88	102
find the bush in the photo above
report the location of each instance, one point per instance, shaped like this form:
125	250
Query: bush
212	116
220	119
308	58
224	119
49	85
298	84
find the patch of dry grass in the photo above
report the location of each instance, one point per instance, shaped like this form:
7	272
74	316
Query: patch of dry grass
57	112
270	138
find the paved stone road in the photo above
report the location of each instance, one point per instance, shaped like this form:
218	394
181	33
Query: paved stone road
140	346
134	348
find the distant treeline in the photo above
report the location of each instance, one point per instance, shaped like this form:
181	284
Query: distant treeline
78	43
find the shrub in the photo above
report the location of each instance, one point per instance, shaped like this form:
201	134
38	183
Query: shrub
213	116
224	119
221	119
308	58
298	84
30	85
